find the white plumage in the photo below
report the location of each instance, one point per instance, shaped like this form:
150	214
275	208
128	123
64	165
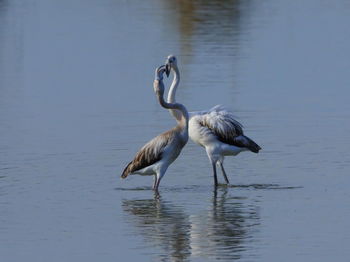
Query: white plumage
215	129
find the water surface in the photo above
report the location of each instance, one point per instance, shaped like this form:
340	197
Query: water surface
77	102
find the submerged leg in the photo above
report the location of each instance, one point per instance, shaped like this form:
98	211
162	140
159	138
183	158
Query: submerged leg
215	176
224	173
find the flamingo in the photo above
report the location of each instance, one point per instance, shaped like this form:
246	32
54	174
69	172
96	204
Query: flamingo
155	157
215	129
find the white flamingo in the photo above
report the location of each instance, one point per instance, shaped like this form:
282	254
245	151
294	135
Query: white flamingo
215	129
155	157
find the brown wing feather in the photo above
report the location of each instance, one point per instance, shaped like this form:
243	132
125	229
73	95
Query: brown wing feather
148	154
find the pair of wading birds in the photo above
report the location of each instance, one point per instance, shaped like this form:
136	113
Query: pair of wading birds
216	130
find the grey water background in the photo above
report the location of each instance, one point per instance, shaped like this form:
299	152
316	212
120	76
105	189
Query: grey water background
77	102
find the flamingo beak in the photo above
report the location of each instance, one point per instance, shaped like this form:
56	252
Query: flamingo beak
167	69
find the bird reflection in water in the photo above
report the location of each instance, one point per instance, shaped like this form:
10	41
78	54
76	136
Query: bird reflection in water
219	232
216	24
162	225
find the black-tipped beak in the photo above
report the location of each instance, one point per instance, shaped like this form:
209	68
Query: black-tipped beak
167	70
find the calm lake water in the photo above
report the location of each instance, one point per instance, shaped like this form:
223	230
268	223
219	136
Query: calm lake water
77	102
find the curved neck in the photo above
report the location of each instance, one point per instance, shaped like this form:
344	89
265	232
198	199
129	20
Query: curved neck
172	92
180	108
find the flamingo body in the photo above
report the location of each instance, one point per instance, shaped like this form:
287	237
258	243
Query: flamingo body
215	129
155	157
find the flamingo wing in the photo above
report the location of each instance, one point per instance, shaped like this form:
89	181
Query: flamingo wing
149	154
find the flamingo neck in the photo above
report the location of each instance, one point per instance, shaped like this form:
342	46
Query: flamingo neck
183	118
172	92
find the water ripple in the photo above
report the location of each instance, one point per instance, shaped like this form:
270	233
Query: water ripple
216	231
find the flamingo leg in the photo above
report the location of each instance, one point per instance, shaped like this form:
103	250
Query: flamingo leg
158	178
224	173
154	182
157	185
215	175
